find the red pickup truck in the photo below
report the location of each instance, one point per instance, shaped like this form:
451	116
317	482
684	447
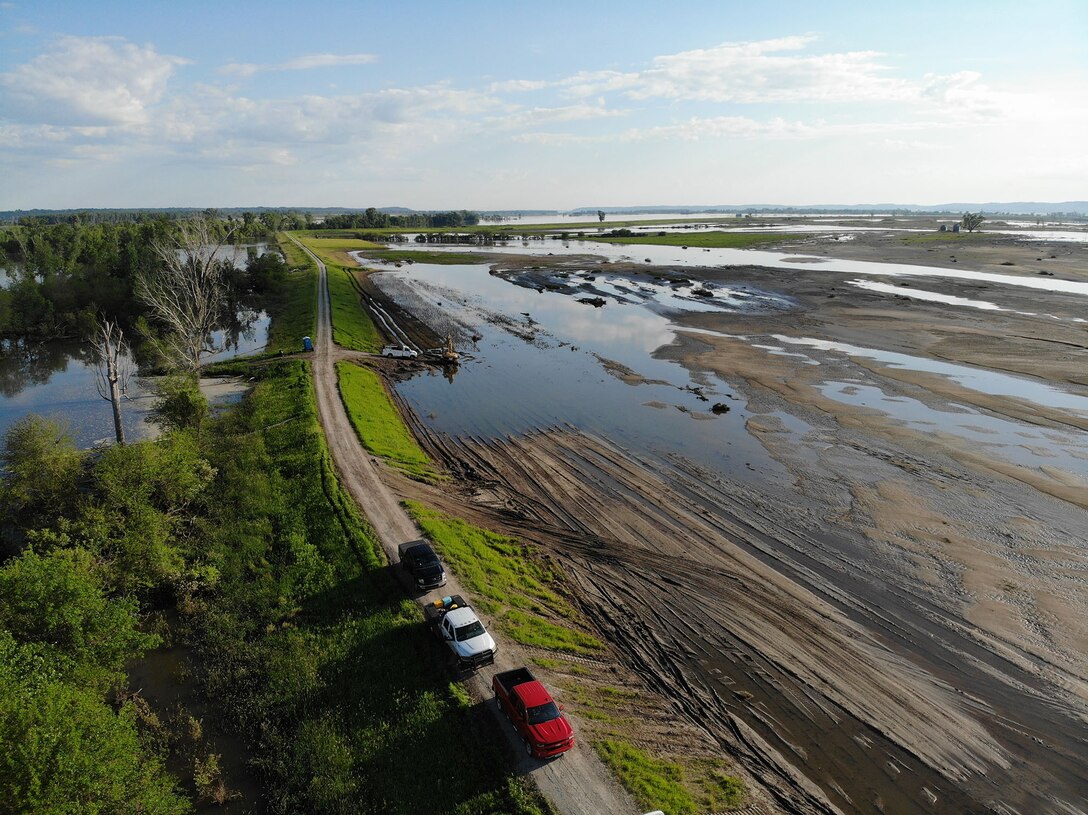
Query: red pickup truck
533	712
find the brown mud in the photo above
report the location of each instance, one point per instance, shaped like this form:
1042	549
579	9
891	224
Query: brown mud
902	629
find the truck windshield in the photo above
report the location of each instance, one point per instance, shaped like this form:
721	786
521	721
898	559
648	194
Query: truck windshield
467	632
543	713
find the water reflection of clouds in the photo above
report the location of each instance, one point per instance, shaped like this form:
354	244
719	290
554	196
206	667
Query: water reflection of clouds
978	379
1030	447
921	294
639	327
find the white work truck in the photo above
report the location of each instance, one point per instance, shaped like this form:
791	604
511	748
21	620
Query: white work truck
456	624
399	352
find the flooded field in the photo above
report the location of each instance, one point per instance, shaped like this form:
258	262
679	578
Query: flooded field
544	359
855	509
57	379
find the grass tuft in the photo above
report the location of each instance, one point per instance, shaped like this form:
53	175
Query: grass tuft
655	783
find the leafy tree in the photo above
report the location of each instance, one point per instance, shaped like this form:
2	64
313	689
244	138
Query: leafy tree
133	519
971	222
180	404
66	752
265	274
43	468
57	601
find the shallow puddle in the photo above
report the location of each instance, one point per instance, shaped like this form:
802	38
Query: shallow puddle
985	381
1025	445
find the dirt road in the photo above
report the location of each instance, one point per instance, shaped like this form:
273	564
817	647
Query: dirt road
577	783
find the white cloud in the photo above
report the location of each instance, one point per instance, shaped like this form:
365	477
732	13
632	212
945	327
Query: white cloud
753	72
912	145
303	63
88	81
721	127
518	85
566	113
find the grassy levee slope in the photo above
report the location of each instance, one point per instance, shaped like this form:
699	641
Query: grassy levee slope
294	309
308	642
506	582
667	785
351	326
378	424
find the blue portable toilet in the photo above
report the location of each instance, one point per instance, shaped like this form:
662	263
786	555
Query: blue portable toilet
307	344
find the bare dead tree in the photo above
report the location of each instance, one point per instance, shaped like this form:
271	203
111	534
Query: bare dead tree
115	369
186	292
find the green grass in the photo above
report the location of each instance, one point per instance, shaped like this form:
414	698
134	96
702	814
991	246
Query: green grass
561	666
309	648
668	786
333	249
697	785
505	581
424	256
351	326
700	240
294	310
529	629
495	568
378	424
654	783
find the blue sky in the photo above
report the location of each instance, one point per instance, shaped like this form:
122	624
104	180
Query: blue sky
556	105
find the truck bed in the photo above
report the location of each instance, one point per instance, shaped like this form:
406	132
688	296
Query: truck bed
509	680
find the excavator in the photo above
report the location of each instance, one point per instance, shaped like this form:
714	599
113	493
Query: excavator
449	355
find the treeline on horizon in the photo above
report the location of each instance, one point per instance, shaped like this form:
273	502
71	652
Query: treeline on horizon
256	221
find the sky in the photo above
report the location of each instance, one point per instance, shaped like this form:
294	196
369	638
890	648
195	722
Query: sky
556	105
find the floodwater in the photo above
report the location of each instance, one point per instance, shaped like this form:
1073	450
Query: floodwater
982	380
57	379
1021	444
554	364
538	362
672	256
921	294
548	371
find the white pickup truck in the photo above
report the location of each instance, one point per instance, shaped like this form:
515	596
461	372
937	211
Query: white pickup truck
399	352
456	624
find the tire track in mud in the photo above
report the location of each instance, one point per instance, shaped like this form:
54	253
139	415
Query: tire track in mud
839	692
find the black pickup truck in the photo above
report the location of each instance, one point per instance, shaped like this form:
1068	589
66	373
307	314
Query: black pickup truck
419	560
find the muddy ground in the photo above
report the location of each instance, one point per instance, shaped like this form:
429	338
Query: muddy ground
903	626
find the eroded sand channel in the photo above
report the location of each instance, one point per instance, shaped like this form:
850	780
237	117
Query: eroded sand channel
892	611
